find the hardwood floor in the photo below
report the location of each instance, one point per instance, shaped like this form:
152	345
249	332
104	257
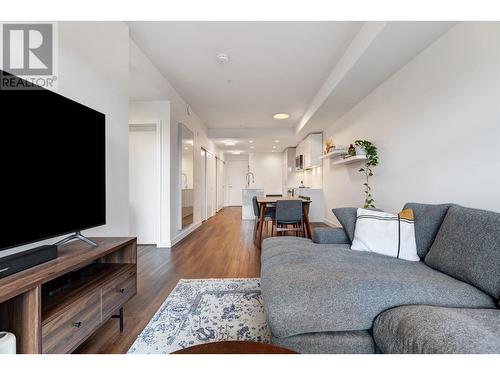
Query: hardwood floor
222	247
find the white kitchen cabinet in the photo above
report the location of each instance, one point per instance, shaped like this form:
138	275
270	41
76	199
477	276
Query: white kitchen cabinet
311	149
290	178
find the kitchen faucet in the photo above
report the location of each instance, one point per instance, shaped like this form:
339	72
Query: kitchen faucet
248	176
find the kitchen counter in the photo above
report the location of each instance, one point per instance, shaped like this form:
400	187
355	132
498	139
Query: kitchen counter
317	208
247	207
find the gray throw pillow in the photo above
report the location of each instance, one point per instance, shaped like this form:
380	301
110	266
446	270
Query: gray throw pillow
428	220
467	247
347	217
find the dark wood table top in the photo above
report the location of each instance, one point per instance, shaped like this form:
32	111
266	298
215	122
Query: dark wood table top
235	347
274	199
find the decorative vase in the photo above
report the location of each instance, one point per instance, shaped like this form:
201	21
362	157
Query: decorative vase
351	151
360	150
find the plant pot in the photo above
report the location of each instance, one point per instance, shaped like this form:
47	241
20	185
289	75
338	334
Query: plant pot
360	150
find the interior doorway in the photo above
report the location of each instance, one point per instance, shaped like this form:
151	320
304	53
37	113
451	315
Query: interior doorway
236	171
220	184
203	180
144	182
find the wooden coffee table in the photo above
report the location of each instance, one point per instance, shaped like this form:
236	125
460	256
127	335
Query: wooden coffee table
235	347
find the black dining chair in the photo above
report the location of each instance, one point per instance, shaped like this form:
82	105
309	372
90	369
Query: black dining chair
269	215
289	212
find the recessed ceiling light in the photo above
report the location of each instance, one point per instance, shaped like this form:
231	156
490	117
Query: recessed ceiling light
274	146
185	148
272	150
251	141
277	141
229	142
281	116
251	147
235	152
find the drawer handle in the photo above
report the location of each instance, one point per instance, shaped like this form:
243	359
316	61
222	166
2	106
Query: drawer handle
77	324
122	290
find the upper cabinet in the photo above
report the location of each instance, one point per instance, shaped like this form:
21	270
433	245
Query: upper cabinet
311	149
290	178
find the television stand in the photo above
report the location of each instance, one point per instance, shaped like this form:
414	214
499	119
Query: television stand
76	236
57	305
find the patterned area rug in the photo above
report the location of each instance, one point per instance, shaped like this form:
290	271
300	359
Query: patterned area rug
205	310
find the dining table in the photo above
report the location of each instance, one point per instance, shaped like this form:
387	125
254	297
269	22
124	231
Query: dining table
264	202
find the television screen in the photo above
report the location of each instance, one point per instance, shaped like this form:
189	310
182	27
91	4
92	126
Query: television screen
52	163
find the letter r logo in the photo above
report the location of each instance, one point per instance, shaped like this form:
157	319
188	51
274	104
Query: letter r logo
28	49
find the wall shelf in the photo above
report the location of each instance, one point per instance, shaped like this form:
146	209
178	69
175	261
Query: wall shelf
349	160
334	154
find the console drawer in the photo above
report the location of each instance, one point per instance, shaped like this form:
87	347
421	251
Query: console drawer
117	292
68	329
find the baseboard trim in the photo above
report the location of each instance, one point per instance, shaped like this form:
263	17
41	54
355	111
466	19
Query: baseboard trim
184	234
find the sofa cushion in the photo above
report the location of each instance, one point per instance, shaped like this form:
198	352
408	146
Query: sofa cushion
347	217
347	342
310	287
437	330
428	219
330	236
386	233
467	247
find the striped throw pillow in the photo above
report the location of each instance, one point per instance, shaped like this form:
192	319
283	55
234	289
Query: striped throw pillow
385	233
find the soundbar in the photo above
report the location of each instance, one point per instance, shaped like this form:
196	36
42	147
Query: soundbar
26	259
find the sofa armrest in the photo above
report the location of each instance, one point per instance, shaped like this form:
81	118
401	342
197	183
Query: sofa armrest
330	236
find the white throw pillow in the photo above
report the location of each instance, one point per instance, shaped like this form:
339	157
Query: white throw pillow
385	233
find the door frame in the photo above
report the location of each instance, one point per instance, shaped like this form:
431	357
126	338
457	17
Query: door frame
156	124
217	177
228	197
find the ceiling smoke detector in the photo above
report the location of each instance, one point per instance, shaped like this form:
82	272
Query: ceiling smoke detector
222	58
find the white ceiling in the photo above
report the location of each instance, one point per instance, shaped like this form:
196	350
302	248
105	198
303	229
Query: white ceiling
315	71
274	66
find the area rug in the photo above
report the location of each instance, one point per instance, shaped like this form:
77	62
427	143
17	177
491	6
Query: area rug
199	311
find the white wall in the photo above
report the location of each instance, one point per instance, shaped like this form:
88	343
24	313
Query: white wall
436	123
148	84
93	70
268	169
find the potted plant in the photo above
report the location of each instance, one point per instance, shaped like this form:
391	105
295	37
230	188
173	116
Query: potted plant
371	161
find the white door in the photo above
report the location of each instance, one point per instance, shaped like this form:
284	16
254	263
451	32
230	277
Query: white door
220	184
211	185
235	172
143	183
203	179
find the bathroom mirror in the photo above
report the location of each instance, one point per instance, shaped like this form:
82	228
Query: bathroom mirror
187	157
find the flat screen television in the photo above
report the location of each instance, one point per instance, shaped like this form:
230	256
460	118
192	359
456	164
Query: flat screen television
52	166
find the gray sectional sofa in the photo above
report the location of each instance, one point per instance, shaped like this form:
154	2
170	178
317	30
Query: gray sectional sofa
322	297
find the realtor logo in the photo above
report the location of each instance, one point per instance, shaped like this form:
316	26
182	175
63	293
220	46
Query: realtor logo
28	51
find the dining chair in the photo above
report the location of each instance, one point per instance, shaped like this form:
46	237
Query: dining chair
269	215
289	212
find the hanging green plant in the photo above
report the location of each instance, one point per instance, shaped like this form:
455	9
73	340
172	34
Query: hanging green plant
371	161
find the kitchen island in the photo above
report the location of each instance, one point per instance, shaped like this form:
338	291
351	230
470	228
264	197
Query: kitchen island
247	208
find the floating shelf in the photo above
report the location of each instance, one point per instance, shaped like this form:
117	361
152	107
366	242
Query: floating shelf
334	154
349	160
